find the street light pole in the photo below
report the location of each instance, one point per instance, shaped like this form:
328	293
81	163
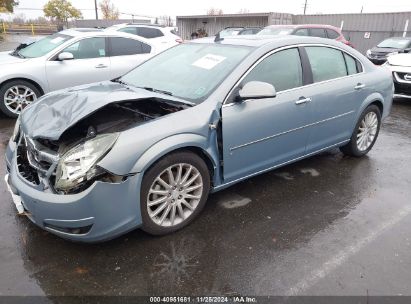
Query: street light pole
305	6
95	6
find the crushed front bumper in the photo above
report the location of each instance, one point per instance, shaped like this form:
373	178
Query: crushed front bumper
101	212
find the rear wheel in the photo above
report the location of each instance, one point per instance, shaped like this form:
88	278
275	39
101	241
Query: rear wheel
16	95
365	133
174	192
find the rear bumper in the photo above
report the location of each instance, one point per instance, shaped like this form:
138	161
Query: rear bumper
101	212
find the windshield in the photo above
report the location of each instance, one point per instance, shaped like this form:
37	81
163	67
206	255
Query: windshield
276	31
43	46
188	71
395	43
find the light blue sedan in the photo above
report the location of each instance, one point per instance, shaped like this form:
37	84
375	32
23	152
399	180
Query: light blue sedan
93	162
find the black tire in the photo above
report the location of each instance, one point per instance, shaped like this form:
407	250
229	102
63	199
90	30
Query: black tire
10	84
185	157
351	148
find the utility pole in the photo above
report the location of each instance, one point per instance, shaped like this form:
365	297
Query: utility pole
305	6
95	6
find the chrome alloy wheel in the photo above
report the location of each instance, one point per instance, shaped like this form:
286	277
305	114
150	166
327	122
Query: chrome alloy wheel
18	97
174	194
367	131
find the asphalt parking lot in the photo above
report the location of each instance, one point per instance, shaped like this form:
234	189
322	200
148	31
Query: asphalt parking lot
328	225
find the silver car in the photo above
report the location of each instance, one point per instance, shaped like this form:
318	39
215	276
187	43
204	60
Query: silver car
93	162
66	59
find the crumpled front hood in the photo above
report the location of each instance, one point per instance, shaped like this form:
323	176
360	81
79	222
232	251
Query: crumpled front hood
6	58
54	113
400	59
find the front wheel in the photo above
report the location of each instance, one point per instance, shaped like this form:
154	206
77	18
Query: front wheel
173	193
365	133
16	95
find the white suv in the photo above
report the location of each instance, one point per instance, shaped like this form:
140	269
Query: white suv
165	36
400	66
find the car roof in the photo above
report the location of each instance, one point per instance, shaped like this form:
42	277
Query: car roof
86	29
88	34
303	26
120	25
261	40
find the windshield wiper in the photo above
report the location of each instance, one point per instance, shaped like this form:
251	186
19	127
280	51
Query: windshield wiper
157	91
16	53
21	46
118	80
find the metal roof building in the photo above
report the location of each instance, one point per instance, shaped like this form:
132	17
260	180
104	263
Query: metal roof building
214	23
364	30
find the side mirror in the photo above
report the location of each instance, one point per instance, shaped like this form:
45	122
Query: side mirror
256	90
65	56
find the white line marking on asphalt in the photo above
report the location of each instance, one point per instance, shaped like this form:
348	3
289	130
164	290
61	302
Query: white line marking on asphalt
343	255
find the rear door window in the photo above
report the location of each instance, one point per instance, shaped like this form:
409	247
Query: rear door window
148	32
124	46
326	63
353	65
301	32
332	34
130	30
317	32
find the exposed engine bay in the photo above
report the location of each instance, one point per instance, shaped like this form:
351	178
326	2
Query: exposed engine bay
59	165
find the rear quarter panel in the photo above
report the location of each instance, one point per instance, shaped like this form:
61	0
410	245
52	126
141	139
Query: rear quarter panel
380	88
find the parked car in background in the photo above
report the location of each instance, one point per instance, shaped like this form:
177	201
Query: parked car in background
400	66
235	31
314	30
162	35
390	46
66	59
146	149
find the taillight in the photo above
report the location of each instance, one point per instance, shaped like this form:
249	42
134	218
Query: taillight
179	40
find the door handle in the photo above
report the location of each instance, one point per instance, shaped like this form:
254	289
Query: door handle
100	66
302	100
359	86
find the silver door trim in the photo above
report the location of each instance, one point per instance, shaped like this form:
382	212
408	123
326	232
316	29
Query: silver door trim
289	131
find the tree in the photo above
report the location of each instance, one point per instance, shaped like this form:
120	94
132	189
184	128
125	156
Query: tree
61	11
212	11
166	20
6	6
109	10
19	19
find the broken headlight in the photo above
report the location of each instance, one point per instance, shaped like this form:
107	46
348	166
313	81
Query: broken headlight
78	164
